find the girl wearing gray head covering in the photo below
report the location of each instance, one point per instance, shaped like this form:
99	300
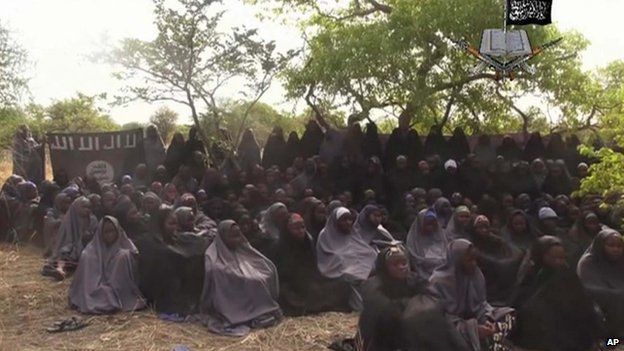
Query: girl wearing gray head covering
426	243
601	270
457	227
368	225
240	286
269	224
343	253
76	230
461	288
105	280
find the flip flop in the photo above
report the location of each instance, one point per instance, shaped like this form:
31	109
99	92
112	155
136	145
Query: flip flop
69	324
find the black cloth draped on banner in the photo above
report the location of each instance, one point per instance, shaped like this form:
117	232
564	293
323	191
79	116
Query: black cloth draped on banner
106	156
520	12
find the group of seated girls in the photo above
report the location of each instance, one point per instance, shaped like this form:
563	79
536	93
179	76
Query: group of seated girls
515	259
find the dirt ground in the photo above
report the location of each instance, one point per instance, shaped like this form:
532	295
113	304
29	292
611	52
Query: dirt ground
29	303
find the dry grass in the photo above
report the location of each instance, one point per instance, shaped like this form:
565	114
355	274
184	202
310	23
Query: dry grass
29	303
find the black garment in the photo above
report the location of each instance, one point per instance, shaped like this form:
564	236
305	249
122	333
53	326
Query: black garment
556	147
275	150
293	149
404	315
458	146
303	290
557	315
175	155
311	140
509	149
415	150
534	147
171	274
554	313
499	263
371	145
194	143
435	144
397	144
572	155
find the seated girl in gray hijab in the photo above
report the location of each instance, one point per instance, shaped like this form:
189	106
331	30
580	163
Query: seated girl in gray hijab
77	228
105	281
240	286
460	286
343	253
601	270
426	243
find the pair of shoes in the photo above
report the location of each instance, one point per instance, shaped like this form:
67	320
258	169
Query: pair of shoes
73	323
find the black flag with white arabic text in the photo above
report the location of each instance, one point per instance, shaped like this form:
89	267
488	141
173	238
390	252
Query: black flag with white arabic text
522	12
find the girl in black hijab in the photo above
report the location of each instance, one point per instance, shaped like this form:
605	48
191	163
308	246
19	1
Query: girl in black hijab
458	145
293	148
534	147
175	154
509	149
554	313
303	290
396	145
275	150
556	147
248	151
400	312
435	144
194	143
371	145
311	140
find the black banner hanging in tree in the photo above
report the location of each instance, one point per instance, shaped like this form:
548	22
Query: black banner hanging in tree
522	12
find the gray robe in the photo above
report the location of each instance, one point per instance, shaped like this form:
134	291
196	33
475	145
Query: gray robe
464	296
343	255
426	251
240	288
74	232
369	233
105	280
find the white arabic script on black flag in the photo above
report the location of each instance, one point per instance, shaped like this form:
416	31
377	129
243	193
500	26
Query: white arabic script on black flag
105	156
521	12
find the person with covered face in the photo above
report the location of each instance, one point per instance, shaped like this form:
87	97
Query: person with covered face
461	287
240	286
400	310
106	279
76	230
343	254
303	290
426	243
601	270
554	312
